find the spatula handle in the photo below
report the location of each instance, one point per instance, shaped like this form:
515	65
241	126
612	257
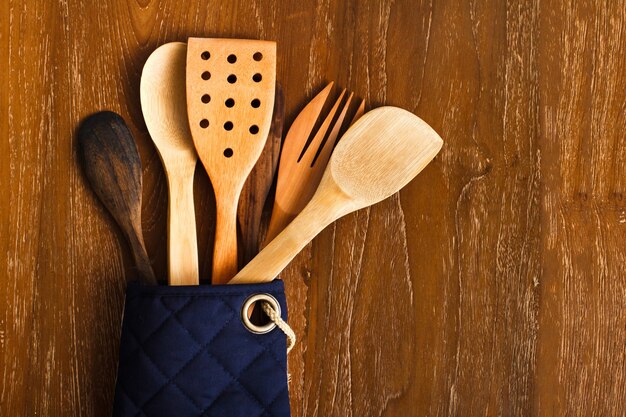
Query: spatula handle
225	251
182	243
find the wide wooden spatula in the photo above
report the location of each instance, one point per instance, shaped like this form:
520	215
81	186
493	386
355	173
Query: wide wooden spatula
377	156
230	97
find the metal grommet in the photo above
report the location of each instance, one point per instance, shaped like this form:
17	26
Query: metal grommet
246	306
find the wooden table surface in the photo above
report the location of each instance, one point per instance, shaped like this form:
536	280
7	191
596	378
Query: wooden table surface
493	284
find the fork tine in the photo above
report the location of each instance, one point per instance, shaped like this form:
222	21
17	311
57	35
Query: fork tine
329	145
314	147
301	128
359	112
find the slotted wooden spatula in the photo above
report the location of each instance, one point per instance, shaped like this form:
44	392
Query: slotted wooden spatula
230	97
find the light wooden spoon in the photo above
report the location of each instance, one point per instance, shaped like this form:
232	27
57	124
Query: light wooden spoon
164	106
380	154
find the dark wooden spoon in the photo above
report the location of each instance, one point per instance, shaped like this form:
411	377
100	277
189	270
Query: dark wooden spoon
111	162
257	187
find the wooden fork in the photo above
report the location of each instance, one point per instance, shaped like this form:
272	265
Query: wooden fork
302	163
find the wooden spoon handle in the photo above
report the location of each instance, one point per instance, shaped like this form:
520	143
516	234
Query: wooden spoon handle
225	251
182	243
319	213
140	256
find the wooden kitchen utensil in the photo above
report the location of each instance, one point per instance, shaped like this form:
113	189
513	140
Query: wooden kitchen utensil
377	156
230	97
256	189
302	163
111	163
164	106
359	112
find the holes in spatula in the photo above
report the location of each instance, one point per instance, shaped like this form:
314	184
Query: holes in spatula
206	98
228	152
205	55
232	58
206	75
257	77
232	78
257	56
228	126
204	123
254	129
255	103
230	102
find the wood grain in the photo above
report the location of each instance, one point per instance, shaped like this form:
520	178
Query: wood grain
492	285
255	194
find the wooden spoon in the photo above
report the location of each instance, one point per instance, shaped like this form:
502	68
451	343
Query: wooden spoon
164	106
380	154
230	97
255	191
111	162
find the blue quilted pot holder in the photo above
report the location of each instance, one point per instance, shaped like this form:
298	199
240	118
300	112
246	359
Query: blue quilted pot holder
185	351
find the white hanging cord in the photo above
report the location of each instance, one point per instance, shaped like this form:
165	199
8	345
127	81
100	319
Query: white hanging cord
280	323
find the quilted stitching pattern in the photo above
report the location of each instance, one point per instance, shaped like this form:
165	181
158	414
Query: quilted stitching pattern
185	352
